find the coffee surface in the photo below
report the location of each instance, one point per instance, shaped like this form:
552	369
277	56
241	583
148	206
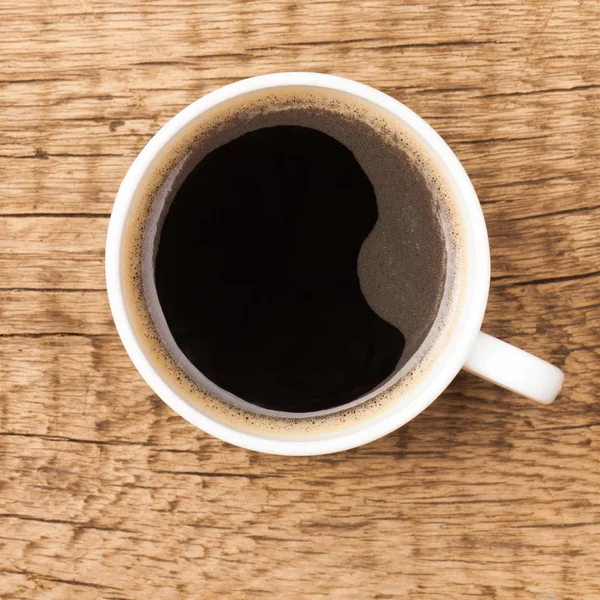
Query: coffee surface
256	272
358	237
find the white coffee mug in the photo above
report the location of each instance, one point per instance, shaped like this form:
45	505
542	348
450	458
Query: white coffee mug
466	347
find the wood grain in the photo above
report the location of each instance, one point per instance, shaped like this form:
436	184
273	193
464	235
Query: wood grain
106	493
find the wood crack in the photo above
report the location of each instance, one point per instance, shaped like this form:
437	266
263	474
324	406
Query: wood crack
58	580
568	211
76	524
211	474
58	438
543	281
575	88
57	215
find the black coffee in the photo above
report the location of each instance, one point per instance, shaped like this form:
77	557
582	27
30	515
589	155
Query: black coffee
256	272
301	261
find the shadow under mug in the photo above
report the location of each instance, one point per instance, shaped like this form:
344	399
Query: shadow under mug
466	347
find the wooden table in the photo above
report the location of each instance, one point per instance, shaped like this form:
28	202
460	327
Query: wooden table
106	493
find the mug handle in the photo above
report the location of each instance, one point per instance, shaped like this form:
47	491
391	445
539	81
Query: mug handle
514	369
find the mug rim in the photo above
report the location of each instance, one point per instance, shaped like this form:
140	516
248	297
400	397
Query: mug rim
460	340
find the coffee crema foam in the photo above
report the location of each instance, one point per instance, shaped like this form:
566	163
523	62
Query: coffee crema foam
337	114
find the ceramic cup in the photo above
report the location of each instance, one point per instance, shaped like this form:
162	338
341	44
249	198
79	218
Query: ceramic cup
464	347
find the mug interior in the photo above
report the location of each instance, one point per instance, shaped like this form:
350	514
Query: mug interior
409	398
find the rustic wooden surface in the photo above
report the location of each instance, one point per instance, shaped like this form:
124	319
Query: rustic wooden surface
106	493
